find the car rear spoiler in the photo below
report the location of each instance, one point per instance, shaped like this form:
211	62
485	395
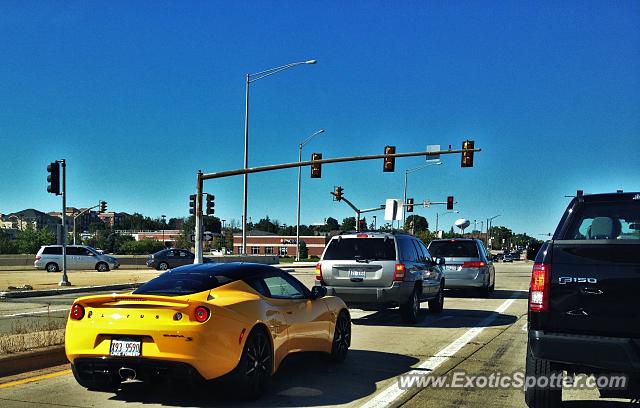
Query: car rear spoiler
134	299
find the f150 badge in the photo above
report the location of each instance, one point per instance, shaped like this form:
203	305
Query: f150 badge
566	279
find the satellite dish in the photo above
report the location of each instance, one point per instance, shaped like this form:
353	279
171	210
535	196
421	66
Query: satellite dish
462	223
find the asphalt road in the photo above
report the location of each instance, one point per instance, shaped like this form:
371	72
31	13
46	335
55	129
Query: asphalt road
478	336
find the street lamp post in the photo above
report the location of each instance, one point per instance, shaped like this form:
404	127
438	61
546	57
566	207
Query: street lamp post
300	145
489	226
443	213
249	79
406	173
164	217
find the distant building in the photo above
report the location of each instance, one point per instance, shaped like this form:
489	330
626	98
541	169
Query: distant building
267	243
24	219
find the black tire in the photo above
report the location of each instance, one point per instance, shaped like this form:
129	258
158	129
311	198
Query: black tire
536	397
436	305
102	267
341	337
256	363
410	311
484	291
163	266
52	267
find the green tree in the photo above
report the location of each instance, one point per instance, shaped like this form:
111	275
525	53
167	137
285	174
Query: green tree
348	224
332	224
266	225
142	247
30	240
416	223
7	245
304	251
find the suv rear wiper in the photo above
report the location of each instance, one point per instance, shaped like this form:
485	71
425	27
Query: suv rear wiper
361	260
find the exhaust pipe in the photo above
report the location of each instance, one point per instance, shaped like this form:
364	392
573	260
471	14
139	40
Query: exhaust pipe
127	373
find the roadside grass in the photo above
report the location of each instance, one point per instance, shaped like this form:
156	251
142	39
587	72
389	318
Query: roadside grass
42	332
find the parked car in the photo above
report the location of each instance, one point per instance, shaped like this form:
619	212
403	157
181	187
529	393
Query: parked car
170	258
507	258
468	265
49	258
376	270
200	322
583	298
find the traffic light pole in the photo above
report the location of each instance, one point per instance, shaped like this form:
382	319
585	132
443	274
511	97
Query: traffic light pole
198	250
65	279
79	214
200	177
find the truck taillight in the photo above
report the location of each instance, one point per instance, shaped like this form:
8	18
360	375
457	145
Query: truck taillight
398	273
539	288
319	272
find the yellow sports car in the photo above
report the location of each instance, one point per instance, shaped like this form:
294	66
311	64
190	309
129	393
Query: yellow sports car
204	321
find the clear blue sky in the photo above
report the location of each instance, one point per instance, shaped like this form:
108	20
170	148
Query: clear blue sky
139	96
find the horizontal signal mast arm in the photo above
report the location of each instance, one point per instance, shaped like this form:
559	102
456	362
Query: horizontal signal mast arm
221	174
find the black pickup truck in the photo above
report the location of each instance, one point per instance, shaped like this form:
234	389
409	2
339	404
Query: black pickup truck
584	299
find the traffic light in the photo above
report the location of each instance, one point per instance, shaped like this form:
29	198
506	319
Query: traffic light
210	204
103	206
450	203
389	162
316	168
54	178
363	225
467	157
338	193
409	204
192	204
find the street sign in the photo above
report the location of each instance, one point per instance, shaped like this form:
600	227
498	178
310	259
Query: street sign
393	210
433	158
426	203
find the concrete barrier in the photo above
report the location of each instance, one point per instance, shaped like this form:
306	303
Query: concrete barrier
23	362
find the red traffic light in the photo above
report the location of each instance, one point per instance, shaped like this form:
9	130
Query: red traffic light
316	168
389	162
450	203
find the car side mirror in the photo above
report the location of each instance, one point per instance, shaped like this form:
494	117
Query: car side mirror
318	292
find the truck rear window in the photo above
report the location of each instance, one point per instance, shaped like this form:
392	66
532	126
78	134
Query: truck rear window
605	220
373	249
454	249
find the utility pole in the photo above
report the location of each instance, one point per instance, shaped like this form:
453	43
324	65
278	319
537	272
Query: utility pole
198	214
65	278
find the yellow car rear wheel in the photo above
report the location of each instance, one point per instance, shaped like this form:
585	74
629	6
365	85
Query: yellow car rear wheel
255	366
341	337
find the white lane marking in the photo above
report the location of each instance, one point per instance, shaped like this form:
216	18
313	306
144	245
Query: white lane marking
387	396
38	312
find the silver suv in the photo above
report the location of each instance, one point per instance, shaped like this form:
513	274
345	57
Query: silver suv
49	257
469	265
376	270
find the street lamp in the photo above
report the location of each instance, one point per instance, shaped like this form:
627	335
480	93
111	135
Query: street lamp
443	213
489	225
300	145
164	217
249	79
406	172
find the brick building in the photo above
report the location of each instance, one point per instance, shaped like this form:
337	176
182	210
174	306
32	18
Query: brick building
266	243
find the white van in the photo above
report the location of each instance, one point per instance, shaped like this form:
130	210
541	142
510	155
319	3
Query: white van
49	257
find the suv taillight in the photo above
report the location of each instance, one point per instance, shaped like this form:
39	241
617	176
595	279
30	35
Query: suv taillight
38	258
398	272
539	288
319	272
476	264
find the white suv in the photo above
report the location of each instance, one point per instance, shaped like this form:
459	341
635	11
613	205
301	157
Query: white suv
49	257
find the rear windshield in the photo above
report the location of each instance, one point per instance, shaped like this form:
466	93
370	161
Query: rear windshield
373	249
608	220
52	251
454	249
176	283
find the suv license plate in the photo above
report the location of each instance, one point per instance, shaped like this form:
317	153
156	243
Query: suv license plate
125	347
357	274
451	267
